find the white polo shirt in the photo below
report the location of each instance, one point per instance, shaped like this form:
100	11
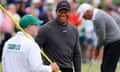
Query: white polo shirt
21	54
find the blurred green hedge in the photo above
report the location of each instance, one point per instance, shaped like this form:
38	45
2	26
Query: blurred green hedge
102	2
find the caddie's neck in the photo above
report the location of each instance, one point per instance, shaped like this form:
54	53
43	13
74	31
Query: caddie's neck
28	31
32	30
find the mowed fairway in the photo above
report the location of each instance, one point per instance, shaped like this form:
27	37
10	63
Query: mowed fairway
93	68
0	67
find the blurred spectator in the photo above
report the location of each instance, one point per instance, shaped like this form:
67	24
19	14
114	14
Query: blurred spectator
96	3
54	13
21	8
81	29
41	9
108	2
7	25
13	11
118	8
32	11
74	18
36	3
50	2
91	40
39	6
48	14
1	18
111	11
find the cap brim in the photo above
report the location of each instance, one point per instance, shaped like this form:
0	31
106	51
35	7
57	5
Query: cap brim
39	22
63	8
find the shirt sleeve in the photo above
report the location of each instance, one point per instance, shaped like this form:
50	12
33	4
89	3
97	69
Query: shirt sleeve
35	60
77	56
100	28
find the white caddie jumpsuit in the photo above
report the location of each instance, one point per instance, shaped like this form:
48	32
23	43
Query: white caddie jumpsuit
21	54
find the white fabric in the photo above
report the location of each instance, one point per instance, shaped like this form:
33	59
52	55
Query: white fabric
89	26
89	29
97	1
36	1
50	1
54	13
94	13
90	32
83	8
23	58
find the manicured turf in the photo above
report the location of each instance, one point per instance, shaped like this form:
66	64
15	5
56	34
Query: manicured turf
0	67
92	68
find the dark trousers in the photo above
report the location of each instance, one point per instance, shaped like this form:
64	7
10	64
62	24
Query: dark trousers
110	57
66	69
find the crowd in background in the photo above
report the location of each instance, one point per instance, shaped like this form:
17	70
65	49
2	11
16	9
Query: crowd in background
45	10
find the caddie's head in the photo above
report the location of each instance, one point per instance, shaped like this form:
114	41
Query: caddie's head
30	24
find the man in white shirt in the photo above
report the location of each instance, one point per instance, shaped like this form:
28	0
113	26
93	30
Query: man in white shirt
21	54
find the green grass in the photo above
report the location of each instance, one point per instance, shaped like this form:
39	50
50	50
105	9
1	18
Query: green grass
93	68
0	67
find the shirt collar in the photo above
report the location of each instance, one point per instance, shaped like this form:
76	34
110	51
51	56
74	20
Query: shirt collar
94	13
22	34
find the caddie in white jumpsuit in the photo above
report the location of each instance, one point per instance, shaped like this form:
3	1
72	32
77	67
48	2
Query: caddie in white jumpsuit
21	54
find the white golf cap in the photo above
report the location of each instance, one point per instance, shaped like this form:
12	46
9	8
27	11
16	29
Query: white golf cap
83	8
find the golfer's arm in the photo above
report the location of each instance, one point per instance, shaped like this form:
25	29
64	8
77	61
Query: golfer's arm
77	56
101	33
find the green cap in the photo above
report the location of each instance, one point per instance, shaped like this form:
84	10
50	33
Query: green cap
28	20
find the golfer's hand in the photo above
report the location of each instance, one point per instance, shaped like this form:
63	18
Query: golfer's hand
54	67
95	53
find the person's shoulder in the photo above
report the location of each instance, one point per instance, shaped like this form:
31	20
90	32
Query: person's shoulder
100	11
100	15
9	40
19	39
47	26
72	26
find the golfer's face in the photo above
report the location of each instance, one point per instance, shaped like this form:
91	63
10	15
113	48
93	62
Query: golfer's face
88	15
63	15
